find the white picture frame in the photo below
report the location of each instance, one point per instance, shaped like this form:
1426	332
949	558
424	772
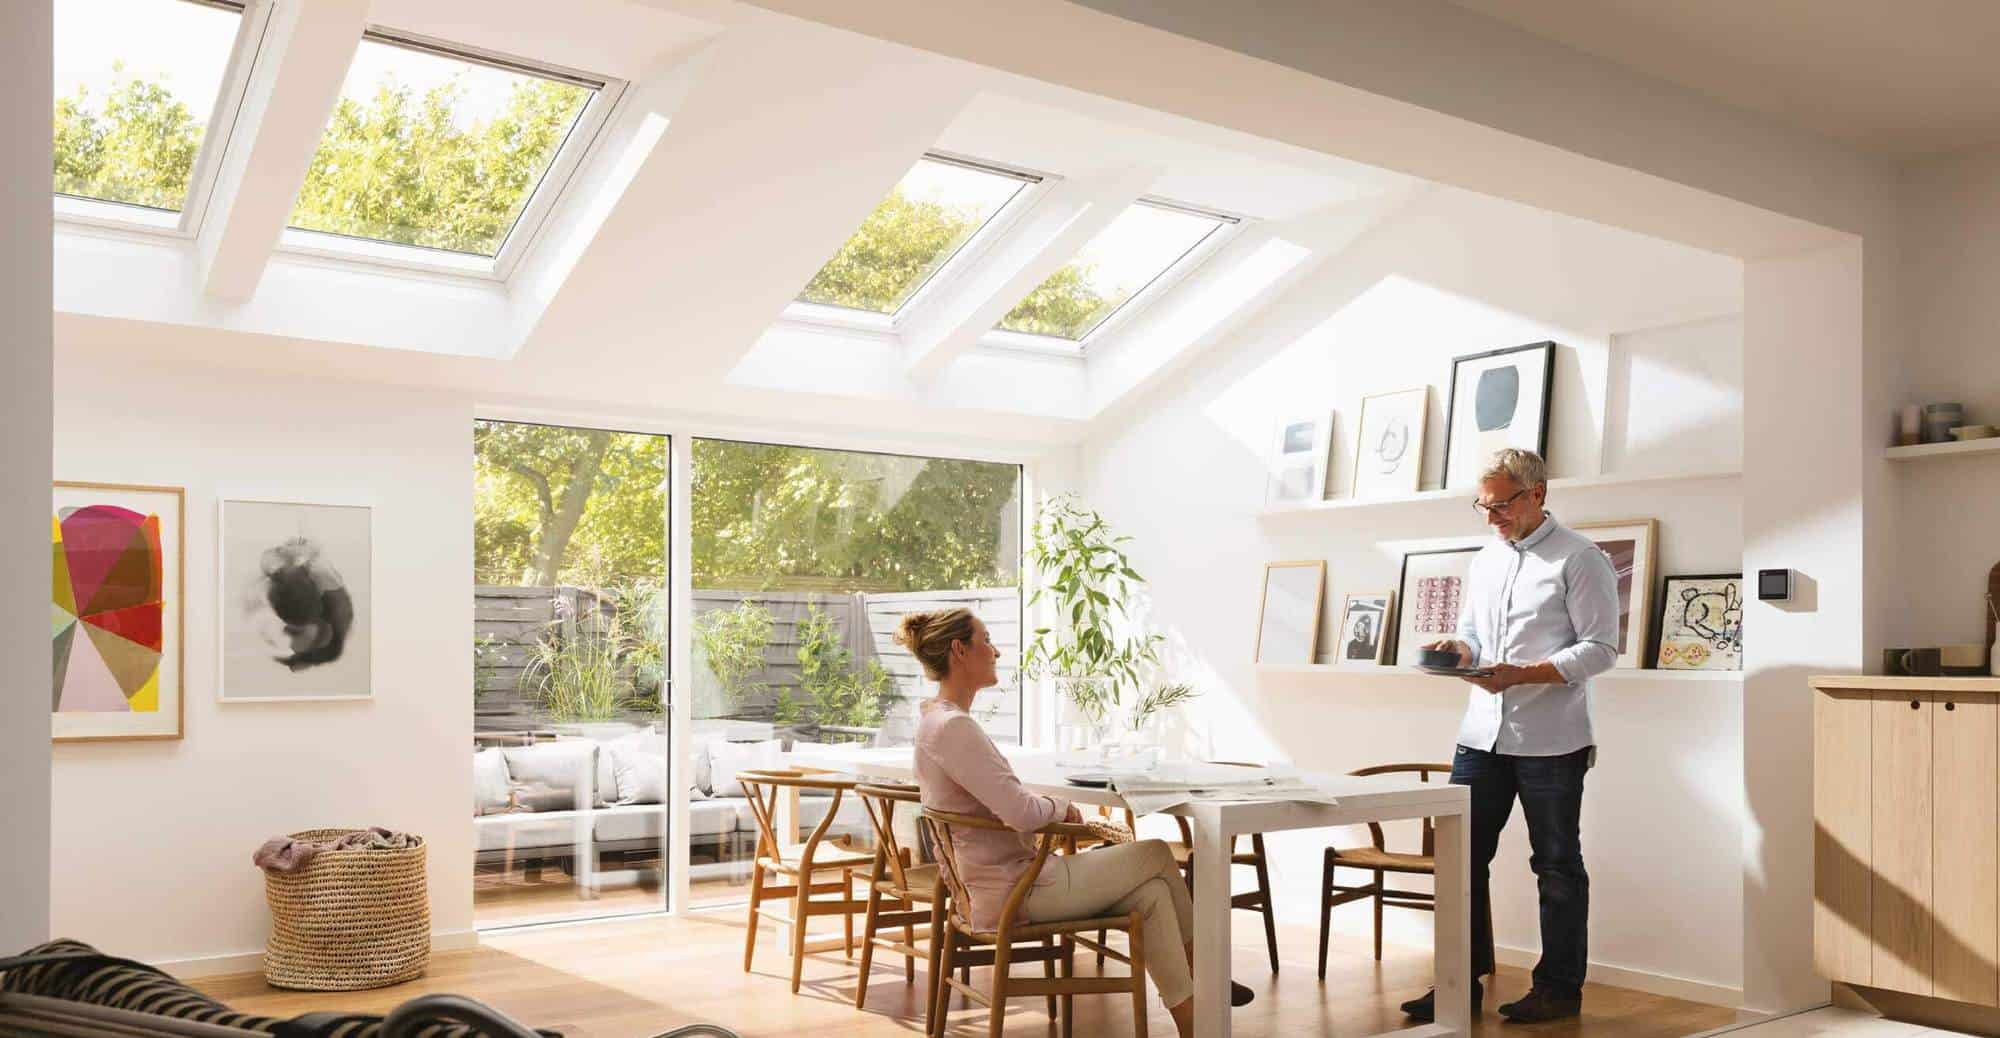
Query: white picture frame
1431	594
1389	443
1296	471
295	601
1364	634
1631	545
1288	614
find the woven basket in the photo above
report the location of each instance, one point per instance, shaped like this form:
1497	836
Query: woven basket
351	919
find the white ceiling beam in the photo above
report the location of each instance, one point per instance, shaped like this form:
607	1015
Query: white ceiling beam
790	134
1068	215
305	54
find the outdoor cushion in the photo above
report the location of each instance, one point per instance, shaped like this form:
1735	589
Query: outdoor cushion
489	782
554	766
728	758
705	818
638	765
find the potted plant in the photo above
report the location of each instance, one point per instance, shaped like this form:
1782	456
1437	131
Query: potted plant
583	668
1095	654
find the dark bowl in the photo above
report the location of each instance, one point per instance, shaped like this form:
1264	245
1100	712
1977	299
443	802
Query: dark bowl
1438	658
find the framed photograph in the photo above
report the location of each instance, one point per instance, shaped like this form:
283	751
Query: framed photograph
1297	473
1629	545
118	558
1288	619
1364	627
297	601
1389	457
1498	399
1700	623
1432	591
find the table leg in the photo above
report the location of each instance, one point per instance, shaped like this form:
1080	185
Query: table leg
1451	945
1211	923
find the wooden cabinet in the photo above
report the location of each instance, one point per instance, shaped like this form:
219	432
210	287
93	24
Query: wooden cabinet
1906	805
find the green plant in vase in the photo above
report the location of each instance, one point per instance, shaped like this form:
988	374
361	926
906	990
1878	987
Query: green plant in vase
1094	653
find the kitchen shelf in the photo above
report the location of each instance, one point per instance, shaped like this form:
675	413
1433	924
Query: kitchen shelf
1943	450
1460	497
1349	671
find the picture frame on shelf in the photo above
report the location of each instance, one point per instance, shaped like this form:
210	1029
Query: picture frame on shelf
296	597
1364	634
1431	592
1298	461
1698	623
1289	612
1630	544
1389	448
1500	398
119	555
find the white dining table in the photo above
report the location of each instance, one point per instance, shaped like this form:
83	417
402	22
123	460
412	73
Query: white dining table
1215	826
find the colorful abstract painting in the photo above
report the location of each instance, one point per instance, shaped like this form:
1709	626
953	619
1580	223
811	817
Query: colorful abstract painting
114	603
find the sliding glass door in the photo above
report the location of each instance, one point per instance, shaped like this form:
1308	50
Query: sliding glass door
804	562
570	690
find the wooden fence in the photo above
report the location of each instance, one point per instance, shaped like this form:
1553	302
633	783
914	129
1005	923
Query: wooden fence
508	621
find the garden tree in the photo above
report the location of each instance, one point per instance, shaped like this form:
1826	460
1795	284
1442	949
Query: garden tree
138	146
553	500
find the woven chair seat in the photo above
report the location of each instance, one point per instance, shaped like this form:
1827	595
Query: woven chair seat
1387	861
828	856
922	879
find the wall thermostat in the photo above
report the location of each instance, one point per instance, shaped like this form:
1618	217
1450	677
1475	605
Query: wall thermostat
1774	585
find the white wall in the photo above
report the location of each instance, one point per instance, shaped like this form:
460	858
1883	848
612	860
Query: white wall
1951	530
25	266
1456	274
153	840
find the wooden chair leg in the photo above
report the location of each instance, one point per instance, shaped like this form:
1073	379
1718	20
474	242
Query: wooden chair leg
1378	915
799	919
847	914
1138	943
1102	936
756	898
1264	899
909	941
942	1003
867	945
1066	1012
934	986
996	1019
1325	906
1049	972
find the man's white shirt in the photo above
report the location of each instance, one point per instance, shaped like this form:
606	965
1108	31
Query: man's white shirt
1554	597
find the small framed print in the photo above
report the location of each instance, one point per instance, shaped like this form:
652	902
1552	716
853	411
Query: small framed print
1389	457
1297	473
1498	399
1629	545
1364	627
118	560
1700	623
1288	619
1432	595
297	601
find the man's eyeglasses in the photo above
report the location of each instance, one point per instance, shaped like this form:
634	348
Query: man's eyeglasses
1501	506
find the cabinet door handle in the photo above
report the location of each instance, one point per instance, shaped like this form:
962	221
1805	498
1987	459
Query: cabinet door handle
1914	704
1951	706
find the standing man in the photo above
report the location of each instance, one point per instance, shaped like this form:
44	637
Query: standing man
1541	612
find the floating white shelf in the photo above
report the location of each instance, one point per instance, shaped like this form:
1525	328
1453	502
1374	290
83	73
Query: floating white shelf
1460	497
1349	671
1943	450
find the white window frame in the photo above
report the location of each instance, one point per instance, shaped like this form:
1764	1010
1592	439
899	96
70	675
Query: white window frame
1232	224
547	193
1034	185
244	53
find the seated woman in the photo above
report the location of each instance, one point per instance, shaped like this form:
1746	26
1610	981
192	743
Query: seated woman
960	771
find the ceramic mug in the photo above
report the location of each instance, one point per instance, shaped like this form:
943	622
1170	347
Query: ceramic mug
1912	663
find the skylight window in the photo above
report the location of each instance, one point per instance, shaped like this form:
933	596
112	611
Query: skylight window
434	149
138	84
1146	241
938	206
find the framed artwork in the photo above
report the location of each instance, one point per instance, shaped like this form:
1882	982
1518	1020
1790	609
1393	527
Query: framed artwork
1389	457
1288	619
1298	460
1432	591
1700	623
297	598
1498	399
1364	627
1629	546
116	587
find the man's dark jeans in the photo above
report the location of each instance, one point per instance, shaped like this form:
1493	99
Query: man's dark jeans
1551	793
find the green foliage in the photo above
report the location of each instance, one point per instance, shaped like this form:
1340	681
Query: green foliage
580	670
731	642
1165	697
896	248
486	656
551	502
1064	306
836	692
138	147
398	168
768	517
1093	654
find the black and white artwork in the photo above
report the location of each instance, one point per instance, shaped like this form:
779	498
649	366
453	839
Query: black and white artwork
1389	457
1297	473
1364	626
297	601
1498	399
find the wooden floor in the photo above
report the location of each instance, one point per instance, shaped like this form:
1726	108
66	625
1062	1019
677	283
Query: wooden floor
511	899
643	976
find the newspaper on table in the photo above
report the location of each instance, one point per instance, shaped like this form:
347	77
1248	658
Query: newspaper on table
1171	785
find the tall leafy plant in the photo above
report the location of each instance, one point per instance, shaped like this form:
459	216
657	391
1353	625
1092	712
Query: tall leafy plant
1095	653
836	692
732	643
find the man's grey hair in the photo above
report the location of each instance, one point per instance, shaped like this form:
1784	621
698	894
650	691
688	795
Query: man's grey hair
1525	468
